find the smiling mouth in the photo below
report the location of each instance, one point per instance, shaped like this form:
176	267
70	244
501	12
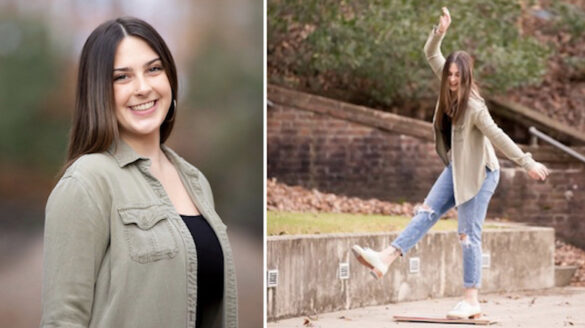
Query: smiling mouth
143	107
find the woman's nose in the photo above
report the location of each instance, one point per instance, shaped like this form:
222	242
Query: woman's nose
142	86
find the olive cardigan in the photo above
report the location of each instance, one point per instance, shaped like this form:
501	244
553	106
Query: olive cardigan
116	252
471	138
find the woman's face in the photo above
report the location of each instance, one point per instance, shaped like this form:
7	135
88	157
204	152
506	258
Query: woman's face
142	91
453	78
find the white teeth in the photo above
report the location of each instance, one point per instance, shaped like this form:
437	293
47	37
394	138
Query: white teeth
143	107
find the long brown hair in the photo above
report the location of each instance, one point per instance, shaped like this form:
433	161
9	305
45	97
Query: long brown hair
455	104
94	126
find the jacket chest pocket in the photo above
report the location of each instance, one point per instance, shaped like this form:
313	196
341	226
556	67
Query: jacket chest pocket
149	234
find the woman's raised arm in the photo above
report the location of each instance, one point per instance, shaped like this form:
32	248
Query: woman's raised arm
444	21
432	47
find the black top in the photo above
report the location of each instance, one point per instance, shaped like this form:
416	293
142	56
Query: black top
209	269
446	130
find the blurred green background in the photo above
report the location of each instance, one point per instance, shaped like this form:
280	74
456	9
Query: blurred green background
370	52
217	47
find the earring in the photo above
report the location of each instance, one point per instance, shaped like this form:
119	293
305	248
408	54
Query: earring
174	104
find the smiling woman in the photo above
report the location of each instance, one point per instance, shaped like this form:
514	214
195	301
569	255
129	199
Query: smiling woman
464	134
132	237
141	90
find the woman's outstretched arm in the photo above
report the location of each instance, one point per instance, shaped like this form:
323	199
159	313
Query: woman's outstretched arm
485	123
432	47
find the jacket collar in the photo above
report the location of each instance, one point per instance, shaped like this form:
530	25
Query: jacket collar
180	163
123	153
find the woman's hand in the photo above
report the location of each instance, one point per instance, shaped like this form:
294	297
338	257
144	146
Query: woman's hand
444	21
538	172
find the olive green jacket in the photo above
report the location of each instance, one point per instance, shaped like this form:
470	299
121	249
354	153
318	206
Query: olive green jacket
116	252
471	138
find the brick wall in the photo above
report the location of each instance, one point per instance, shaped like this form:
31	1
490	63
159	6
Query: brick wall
337	147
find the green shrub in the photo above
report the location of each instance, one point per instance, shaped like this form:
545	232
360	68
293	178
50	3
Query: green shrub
575	67
374	48
569	18
29	75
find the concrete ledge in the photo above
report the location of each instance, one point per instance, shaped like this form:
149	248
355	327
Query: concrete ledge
564	275
308	269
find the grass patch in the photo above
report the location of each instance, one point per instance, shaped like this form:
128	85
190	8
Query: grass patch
288	223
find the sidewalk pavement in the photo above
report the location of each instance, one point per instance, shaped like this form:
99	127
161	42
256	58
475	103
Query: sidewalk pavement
549	308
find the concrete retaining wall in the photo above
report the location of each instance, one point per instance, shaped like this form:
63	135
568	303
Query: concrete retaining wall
309	282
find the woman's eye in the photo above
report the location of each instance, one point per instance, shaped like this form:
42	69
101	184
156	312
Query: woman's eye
155	69
120	77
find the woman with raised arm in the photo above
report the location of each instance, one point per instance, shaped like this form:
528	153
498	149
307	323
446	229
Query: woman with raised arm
132	238
464	134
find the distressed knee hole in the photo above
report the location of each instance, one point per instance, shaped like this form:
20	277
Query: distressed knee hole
424	208
464	239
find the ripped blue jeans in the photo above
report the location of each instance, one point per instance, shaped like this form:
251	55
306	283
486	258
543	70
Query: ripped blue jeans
471	216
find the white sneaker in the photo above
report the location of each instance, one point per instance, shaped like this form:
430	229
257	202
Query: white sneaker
370	259
464	310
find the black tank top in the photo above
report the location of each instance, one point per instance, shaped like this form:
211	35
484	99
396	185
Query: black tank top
209	269
446	130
